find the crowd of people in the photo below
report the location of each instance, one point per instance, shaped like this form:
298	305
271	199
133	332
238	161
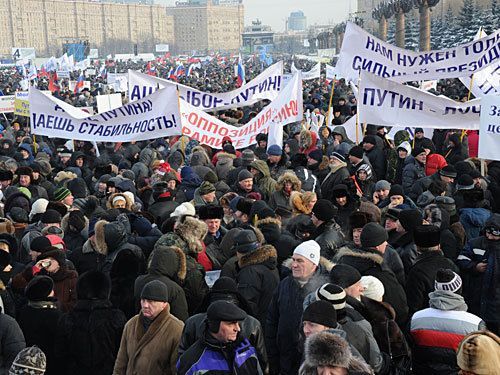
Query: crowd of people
321	256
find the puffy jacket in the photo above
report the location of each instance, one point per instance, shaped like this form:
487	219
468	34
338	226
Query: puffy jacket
190	181
412	172
257	278
437	331
167	265
434	163
250	328
330	238
265	183
473	220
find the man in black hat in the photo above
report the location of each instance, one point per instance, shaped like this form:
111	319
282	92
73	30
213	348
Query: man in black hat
356	158
448	175
222	349
212	216
164	203
328	233
414	169
369	262
150	339
225	289
6	178
337	174
422	274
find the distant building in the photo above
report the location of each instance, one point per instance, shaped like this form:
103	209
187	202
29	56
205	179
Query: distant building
297	21
257	38
202	26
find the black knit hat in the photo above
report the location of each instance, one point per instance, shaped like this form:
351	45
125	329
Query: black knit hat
324	210
225	311
210	211
50	217
370	139
54	253
357	151
344	275
448	171
76	220
448	281
417	151
155	291
373	235
396	190
427	236
246	242
321	312
244	175
39	288
410	219
316	155
40	244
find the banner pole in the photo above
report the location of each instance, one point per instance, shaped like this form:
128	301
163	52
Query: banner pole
357	110
330	102
182	134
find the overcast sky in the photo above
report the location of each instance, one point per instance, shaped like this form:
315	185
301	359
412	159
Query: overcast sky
274	12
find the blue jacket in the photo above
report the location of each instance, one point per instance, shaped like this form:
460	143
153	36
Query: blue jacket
190	181
473	220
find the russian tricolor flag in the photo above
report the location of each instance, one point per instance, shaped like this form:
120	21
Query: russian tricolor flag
79	83
180	71
189	70
171	74
241	72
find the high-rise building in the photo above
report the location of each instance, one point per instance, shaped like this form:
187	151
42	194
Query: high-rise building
297	21
202	26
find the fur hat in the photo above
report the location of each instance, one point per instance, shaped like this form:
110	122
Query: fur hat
210	211
244	205
358	219
39	288
410	219
93	285
427	236
479	353
327	349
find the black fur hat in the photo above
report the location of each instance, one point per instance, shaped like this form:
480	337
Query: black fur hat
210	212
93	285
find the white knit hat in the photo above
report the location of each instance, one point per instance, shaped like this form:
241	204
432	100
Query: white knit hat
184	209
374	288
310	250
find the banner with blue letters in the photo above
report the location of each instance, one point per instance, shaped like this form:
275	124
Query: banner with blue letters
266	85
362	51
153	116
490	128
386	103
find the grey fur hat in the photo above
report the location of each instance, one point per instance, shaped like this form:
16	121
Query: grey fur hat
328	349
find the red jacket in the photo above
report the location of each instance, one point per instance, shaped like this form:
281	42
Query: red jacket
434	163
473	141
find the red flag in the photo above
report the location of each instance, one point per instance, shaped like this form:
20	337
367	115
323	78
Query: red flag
53	82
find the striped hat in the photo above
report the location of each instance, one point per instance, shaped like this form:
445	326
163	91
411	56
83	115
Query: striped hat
61	193
333	294
448	281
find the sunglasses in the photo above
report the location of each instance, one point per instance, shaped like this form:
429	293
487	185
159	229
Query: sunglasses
492	230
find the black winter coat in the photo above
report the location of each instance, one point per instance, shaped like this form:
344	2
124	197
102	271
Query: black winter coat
161	209
37	321
88	338
369	263
283	321
331	180
378	161
257	278
407	250
86	258
421	277
194	328
147	242
330	238
12	341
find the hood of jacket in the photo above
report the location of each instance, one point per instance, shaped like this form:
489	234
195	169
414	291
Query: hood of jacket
289	177
406	145
362	260
341	130
294	146
262	167
189	177
192	231
439	217
168	261
270	229
265	255
400	137
447	301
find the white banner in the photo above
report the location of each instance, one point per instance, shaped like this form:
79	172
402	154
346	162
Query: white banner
154	116
266	85
314	73
490	128
362	51
387	103
485	82
7	103
208	130
331	72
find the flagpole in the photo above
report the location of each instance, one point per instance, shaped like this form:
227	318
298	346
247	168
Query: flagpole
330	102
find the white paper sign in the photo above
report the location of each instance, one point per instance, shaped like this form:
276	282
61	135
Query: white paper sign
387	103
152	117
108	102
489	140
314	73
362	51
266	85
